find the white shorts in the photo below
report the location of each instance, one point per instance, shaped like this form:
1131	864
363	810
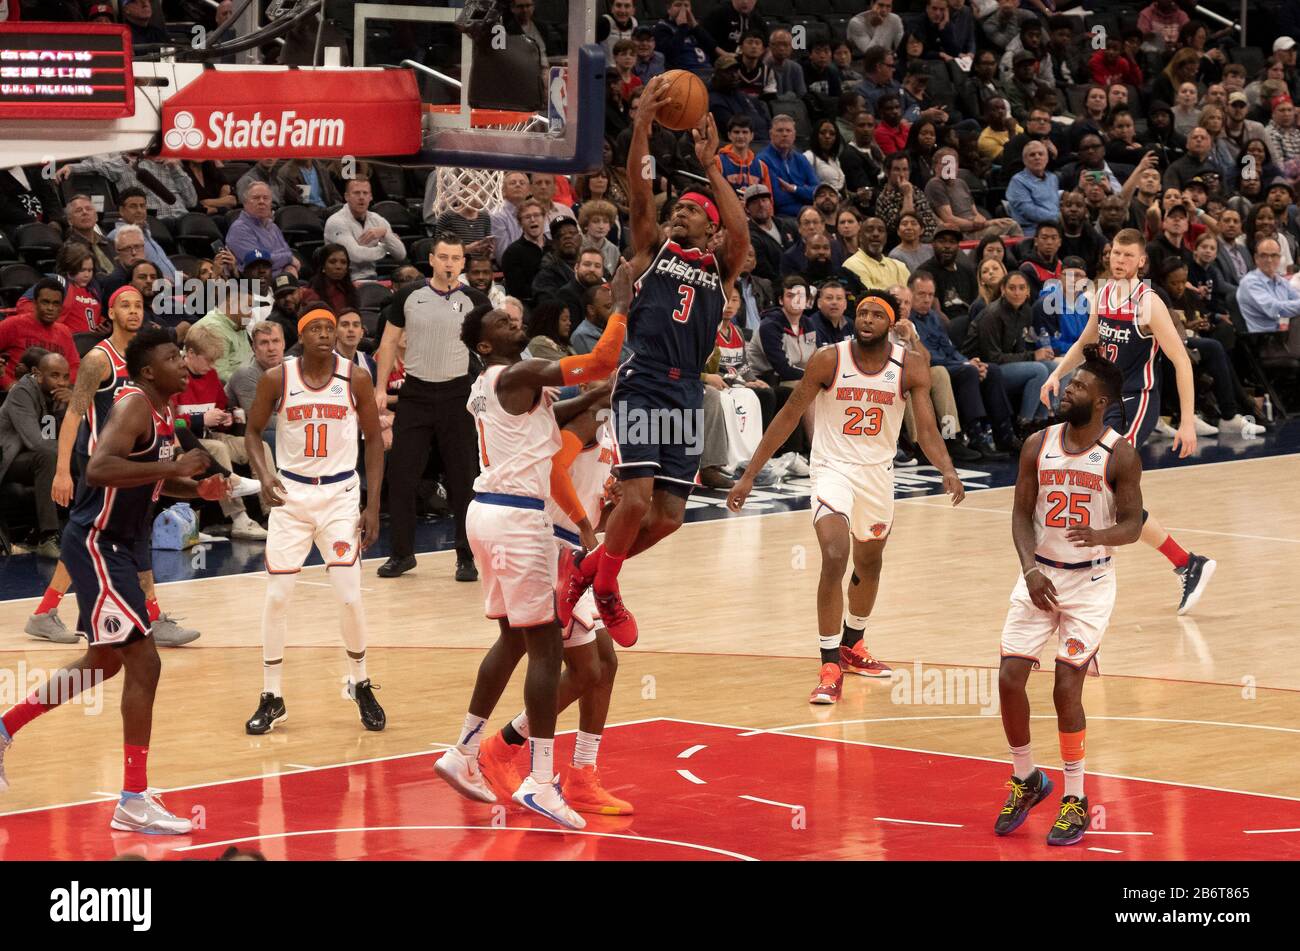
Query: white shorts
864	495
1085	598
586	619
515	552
328	516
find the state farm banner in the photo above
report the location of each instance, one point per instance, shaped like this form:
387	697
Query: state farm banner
293	113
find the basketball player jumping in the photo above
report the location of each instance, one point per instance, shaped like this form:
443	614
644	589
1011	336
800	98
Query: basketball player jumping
859	386
1132	325
132	463
101	374
672	327
512	538
1078	495
580	475
322	399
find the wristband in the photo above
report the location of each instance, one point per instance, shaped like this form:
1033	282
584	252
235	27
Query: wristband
1031	571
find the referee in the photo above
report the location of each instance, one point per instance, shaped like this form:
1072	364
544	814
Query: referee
431	411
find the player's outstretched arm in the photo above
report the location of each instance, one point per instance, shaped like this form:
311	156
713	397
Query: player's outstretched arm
259	414
735	224
641	174
916	373
818	374
1171	342
1126	476
89	376
1073	357
368	416
1041	590
110	465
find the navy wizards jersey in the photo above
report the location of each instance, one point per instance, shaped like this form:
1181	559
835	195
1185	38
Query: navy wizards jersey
105	396
127	513
1122	341
675	314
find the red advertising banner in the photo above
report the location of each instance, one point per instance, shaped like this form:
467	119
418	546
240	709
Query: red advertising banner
65	71
294	113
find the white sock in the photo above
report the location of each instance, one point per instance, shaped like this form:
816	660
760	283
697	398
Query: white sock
346	582
1074	778
275	616
1022	762
584	751
856	622
541	756
829	641
471	734
357	668
520	723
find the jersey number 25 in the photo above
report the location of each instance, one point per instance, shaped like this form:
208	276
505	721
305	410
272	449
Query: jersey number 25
1077	502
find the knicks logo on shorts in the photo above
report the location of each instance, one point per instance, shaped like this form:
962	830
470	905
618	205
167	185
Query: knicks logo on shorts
341	549
1074	647
878	529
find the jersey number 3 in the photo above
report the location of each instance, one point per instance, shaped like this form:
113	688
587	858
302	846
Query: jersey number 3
863	422
1078	505
315	442
683	312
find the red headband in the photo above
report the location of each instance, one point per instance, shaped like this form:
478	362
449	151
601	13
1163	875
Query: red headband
124	289
705	204
1277	100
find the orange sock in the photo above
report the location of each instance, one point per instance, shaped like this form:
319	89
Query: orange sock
1072	762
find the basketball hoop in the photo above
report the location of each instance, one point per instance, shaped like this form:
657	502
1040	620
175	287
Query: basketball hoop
478	188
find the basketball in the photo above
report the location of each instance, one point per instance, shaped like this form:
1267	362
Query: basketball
688	100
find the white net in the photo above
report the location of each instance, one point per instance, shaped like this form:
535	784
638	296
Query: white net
478	188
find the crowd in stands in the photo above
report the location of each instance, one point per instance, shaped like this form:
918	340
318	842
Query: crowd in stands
975	157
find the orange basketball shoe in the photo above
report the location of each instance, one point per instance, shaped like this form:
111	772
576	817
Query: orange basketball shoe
829	685
496	760
583	792
858	660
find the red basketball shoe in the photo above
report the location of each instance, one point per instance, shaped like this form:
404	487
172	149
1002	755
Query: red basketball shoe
618	620
572	586
829	685
858	660
496	760
584	793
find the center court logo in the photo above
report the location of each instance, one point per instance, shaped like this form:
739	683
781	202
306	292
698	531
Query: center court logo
77	904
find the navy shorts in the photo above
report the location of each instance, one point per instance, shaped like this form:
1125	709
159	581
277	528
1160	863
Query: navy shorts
105	577
658	415
1141	413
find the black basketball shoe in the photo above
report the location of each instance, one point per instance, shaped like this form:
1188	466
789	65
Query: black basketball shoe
1071	824
372	714
270	711
1025	794
1195	575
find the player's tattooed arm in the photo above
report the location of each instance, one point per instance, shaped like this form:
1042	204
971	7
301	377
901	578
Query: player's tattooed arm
817	376
1041	590
916	377
368	417
89	376
259	414
1125	474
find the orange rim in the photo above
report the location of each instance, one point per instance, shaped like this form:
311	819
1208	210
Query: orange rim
482	118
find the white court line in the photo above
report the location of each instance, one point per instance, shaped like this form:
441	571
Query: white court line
918	822
1268	831
602	835
444	746
297	766
1095	832
772	802
1039	716
749	731
110	795
1093	848
687	774
691	751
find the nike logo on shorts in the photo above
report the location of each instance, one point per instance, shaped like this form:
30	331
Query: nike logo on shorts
1098	578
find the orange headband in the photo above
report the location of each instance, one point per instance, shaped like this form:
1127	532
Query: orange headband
316	314
882	302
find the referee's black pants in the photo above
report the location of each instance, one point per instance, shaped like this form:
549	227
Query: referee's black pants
431	417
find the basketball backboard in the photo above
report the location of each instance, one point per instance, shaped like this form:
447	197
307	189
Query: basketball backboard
497	102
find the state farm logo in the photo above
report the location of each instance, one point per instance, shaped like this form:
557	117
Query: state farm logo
227	130
183	135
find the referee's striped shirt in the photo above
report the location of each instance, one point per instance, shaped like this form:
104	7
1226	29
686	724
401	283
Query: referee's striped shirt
432	318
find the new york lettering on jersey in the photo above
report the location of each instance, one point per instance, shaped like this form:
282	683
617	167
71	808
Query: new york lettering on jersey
1074	491
1123	341
858	416
126	512
97	413
674	317
316	427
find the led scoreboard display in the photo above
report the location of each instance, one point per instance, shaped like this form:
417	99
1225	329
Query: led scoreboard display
65	71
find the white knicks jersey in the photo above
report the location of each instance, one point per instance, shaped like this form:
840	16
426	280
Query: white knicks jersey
857	417
514	452
1074	490
589	473
316	430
